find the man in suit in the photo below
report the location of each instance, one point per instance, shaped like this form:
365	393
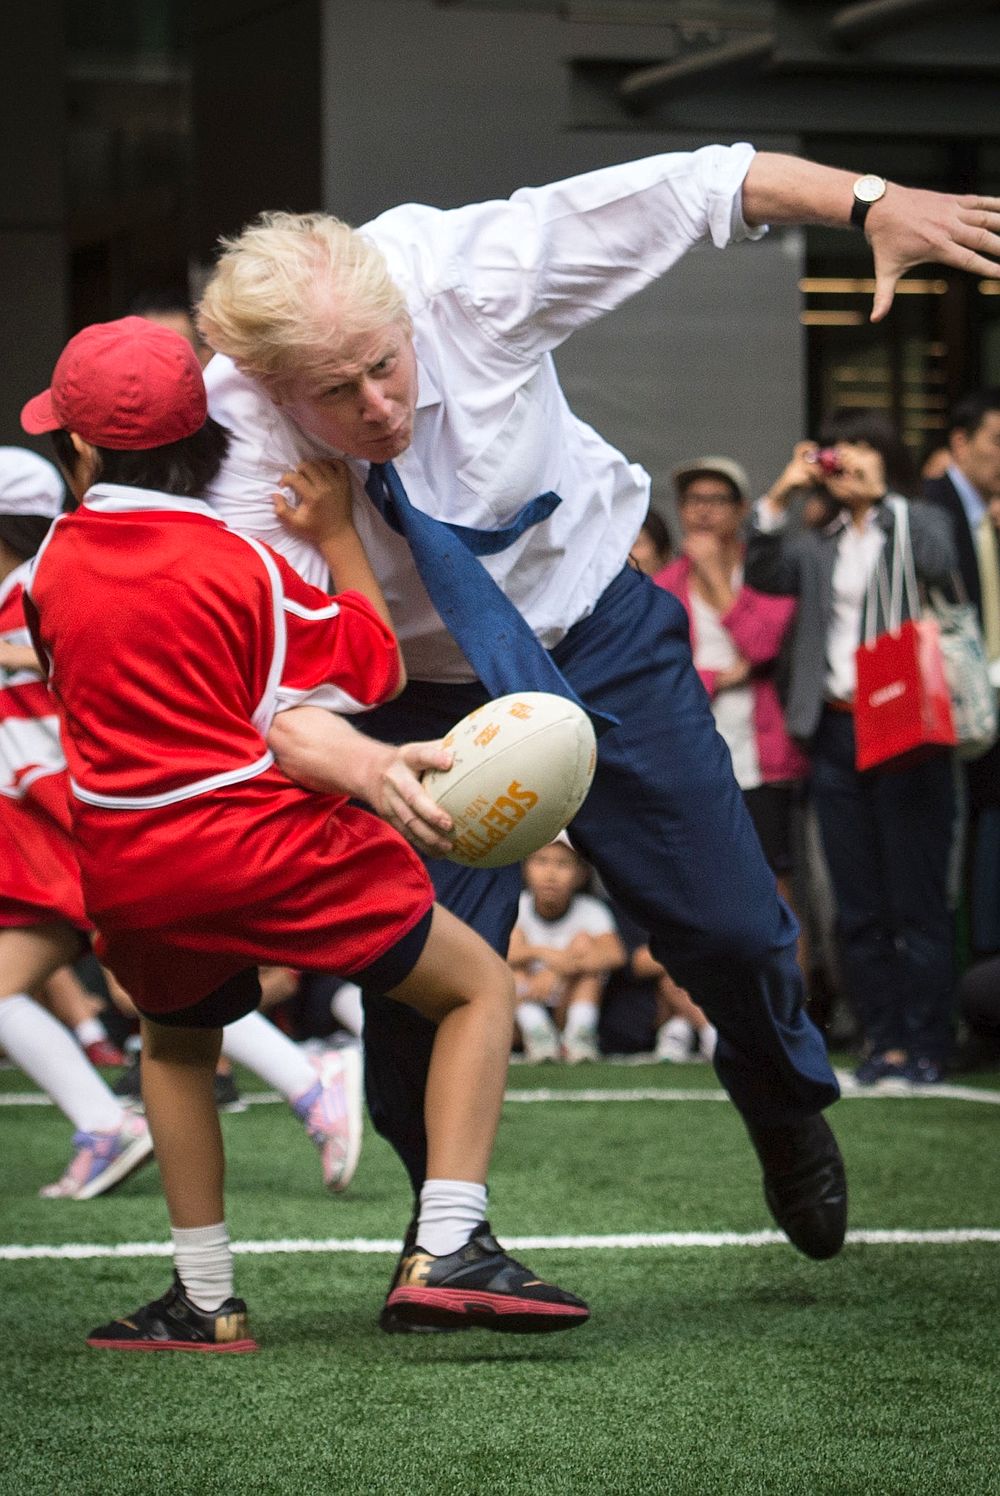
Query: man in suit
965	492
972	478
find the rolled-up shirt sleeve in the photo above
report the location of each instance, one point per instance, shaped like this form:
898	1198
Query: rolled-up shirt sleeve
549	260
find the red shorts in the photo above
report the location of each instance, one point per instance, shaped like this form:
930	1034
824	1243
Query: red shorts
260	873
39	876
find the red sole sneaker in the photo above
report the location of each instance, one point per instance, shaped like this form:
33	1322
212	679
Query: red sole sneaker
232	1347
501	1312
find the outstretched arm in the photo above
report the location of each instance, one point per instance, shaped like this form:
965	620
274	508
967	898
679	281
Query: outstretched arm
907	227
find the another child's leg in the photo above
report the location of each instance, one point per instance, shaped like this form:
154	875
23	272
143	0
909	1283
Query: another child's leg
109	1143
578	1018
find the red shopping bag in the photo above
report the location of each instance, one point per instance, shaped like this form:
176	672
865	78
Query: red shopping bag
902	706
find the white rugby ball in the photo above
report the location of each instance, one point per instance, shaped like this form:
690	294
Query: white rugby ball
523	765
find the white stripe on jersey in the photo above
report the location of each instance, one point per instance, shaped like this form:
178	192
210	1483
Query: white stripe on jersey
171	797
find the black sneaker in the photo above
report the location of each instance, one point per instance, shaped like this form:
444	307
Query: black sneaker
805	1184
480	1285
227	1097
173	1323
128	1085
390	1320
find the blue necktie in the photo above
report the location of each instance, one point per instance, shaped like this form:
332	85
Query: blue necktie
497	642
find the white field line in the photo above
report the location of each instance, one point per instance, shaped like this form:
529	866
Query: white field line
884	1091
78	1251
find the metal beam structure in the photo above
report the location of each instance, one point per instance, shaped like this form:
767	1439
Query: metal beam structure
853	23
696	66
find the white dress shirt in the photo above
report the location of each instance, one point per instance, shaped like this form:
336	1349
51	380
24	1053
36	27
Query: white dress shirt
493	288
858	551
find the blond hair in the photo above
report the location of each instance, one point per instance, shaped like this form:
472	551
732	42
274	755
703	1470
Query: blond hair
292	294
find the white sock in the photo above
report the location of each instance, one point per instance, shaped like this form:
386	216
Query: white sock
255	1042
90	1031
450	1210
533	1016
345	1006
581	1018
47	1052
204	1262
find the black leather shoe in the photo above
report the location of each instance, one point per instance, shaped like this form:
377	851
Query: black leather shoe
805	1185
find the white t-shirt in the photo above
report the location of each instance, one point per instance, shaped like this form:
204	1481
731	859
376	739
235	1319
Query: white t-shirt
585	916
493	289
732	708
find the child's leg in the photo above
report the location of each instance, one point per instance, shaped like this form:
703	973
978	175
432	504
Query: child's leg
109	1145
463	986
178	1065
326	1096
578	1018
453	1272
198	1312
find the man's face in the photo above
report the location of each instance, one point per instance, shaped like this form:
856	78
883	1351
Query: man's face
709	505
365	407
978	455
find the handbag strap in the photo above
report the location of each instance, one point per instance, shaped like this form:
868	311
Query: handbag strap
889	592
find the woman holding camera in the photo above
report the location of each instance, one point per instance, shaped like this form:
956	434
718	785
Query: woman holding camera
887	833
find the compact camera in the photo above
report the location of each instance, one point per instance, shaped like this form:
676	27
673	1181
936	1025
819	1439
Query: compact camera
827	461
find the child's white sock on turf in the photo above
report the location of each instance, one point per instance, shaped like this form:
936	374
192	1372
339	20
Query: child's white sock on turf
47	1052
90	1031
345	1006
255	1042
204	1262
450	1210
581	1018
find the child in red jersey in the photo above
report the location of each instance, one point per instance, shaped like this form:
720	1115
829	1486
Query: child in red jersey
201	859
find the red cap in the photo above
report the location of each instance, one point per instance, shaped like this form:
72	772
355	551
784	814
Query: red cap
127	385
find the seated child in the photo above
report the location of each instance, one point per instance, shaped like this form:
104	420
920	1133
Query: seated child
201	860
562	950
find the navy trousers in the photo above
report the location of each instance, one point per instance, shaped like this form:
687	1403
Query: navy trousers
887	836
667	829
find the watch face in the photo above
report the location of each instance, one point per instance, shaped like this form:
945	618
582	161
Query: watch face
869	189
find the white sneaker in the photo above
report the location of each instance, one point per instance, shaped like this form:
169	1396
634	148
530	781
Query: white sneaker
331	1112
674	1041
582	1048
708	1037
541	1044
102	1160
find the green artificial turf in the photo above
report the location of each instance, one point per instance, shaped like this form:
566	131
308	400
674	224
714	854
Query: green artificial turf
720	1370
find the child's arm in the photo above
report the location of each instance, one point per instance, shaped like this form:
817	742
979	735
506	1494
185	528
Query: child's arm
322	751
18	657
585	956
324	516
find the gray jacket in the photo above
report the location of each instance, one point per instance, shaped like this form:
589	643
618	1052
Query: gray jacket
800	561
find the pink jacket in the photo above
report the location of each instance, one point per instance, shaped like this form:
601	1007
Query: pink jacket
757	624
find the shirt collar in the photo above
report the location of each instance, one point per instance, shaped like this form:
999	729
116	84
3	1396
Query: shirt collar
972	501
117	498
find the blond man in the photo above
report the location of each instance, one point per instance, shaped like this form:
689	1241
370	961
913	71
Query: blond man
420	349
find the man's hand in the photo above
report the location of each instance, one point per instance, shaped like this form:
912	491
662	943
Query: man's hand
323	511
907	227
911	227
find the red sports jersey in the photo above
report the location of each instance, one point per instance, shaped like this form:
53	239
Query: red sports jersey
171	644
39	879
